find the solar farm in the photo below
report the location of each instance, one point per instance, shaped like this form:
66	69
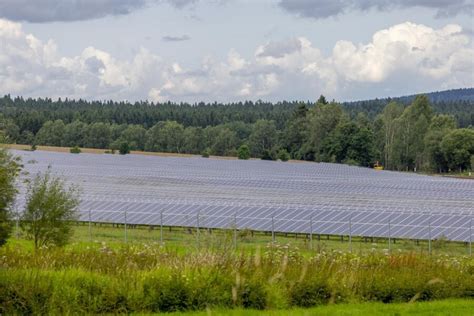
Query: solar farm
307	198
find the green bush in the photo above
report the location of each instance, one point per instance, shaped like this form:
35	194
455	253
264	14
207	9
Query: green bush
268	155
146	279
283	155
75	150
310	292
243	152
253	295
124	148
206	153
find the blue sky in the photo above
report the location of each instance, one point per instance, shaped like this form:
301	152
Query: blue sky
233	50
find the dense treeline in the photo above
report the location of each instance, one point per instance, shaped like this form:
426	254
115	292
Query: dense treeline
401	137
457	102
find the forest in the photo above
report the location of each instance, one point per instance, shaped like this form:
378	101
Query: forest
425	132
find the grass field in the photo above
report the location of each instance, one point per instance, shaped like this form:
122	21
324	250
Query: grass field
444	307
187	239
106	274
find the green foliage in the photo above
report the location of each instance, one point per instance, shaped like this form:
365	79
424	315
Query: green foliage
243	152
263	138
458	147
49	210
146	279
124	148
206	153
310	292
75	150
268	155
403	133
9	170
283	155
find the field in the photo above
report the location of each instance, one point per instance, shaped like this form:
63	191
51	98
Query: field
184	239
109	275
194	235
307	198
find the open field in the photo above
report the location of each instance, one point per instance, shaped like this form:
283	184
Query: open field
142	277
184	240
445	308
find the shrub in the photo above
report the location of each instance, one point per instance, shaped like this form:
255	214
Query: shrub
75	150
50	208
206	153
283	155
124	148
243	152
166	293
267	155
253	295
311	292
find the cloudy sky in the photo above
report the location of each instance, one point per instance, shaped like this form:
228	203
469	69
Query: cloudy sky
233	50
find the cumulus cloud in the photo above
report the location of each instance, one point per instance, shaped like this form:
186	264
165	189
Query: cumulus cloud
406	54
326	8
170	38
41	11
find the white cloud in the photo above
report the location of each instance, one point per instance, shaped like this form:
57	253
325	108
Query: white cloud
414	49
321	9
291	69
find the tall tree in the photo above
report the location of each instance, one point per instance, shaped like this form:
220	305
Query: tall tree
51	134
412	126
50	208
263	137
388	117
322	120
440	126
458	148
9	170
295	133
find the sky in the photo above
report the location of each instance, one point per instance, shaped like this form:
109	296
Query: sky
234	50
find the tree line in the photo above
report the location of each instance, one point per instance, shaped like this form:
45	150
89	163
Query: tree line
400	137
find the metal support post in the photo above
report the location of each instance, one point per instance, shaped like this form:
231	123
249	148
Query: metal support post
235	230
125	217
197	229
273	228
429	235
350	232
311	232
470	237
161	227
389	236
90	225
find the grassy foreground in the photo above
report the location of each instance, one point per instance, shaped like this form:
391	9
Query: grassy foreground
444	307
146	277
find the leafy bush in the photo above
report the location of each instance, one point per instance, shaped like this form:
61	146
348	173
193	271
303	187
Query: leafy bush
310	292
124	148
283	155
253	295
268	155
75	150
243	152
146	279
206	153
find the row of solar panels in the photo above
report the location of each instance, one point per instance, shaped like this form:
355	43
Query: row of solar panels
394	225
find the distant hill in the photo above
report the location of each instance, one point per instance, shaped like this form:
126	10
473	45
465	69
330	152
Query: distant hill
457	102
466	94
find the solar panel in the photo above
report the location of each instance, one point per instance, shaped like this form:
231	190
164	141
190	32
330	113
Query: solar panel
305	197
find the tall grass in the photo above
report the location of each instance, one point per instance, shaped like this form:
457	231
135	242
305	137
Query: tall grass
150	278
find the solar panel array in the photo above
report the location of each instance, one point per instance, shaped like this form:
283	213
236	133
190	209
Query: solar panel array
302	197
